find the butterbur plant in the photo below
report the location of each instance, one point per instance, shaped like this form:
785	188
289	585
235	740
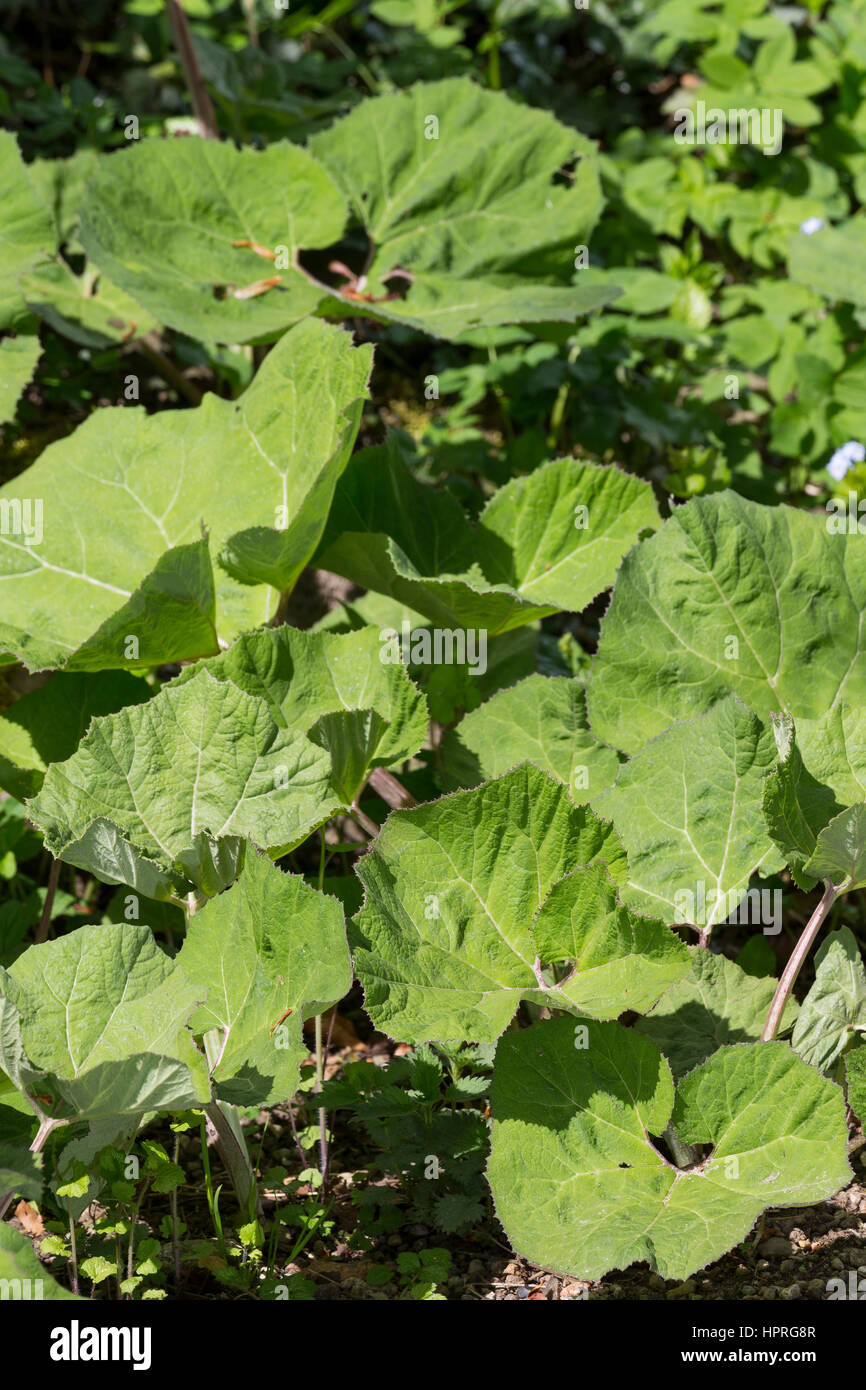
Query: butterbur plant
413	691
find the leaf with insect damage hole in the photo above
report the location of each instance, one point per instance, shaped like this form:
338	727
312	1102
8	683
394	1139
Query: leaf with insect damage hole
176	224
483	231
526	558
579	1184
171	785
93	1025
730	597
443	944
688	811
120	505
265	955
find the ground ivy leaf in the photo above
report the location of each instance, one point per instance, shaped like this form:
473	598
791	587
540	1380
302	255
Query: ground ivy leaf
18	358
714	1004
855	1068
265	954
580	1188
164	220
125	497
834	1010
688	810
100	1017
443	944
27	231
618	959
24	1271
840	850
541	720
202	758
730	596
47	724
480	242
527	557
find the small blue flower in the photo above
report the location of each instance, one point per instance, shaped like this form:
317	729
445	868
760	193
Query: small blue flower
844	458
812	224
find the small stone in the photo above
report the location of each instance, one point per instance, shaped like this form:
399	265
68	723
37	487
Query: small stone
419	1230
748	1291
395	1239
476	1267
776	1248
794	1291
682	1290
656	1281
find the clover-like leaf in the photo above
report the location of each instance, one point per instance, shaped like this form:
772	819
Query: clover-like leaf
93	1024
149	789
478	230
834	1010
443	944
47	724
687	808
546	542
541	720
578	1183
264	955
730	597
109	520
195	230
716	1003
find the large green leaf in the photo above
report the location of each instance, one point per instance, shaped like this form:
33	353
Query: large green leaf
834	1010
126	486
18	358
26	231
265	954
480	225
549	541
22	1273
831	261
153	791
578	1183
796	805
47	724
839	856
715	1004
93	1024
542	720
164	217
337	689
688	811
730	596
444	943
855	1069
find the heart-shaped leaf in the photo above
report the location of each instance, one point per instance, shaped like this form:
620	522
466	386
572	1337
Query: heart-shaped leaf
578	1183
